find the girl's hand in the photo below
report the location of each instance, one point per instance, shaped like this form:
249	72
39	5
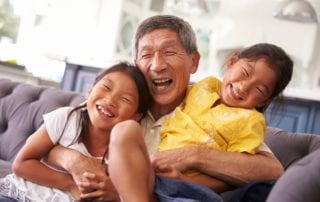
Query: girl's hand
75	193
99	188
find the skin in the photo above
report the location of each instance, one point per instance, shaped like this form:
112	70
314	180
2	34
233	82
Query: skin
167	68
112	100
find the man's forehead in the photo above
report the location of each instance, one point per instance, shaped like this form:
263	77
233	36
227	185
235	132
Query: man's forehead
160	39
159	33
167	42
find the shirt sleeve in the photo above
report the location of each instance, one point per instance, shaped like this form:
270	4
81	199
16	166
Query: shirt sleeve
55	122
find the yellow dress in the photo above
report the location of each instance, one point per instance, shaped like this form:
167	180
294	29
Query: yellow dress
199	121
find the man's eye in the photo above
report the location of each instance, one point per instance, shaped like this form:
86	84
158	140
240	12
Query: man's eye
169	53
146	56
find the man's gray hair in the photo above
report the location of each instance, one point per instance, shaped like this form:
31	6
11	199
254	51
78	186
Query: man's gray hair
174	23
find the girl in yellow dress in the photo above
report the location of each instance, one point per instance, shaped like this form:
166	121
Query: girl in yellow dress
228	115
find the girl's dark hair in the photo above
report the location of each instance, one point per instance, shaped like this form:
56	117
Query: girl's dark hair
277	59
145	98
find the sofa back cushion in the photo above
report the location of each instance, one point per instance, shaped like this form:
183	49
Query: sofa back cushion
21	110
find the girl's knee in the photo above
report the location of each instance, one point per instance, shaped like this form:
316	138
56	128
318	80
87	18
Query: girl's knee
126	131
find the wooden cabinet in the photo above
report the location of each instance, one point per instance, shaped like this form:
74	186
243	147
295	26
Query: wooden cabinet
295	115
314	124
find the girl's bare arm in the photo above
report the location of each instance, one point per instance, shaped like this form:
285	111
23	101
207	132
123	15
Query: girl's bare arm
28	164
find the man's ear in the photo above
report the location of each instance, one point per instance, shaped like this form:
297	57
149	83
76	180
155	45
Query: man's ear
195	61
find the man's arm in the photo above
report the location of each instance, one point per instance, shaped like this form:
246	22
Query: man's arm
232	167
70	160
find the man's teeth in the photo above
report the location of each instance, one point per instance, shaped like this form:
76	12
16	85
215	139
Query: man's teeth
159	81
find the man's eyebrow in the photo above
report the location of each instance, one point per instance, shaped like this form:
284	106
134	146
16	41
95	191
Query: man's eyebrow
166	43
144	47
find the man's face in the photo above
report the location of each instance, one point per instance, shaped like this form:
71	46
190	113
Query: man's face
167	67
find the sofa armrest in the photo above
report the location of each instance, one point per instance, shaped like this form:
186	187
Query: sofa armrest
290	147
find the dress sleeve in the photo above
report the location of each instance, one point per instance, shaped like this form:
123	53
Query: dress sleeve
250	134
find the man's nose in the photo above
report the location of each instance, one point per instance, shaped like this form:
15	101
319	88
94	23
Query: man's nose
158	63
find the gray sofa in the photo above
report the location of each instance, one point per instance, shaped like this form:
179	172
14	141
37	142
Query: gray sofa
22	107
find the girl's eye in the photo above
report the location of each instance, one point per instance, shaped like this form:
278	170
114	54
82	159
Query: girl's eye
107	87
245	72
260	91
125	99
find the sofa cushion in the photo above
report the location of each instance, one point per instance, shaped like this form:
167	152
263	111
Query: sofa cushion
21	110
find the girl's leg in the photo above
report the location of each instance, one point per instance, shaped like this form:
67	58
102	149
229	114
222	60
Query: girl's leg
129	164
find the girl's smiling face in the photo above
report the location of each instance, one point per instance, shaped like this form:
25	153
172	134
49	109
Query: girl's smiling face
248	84
113	99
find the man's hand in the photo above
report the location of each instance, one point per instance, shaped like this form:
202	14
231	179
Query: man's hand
181	159
168	171
99	188
91	177
86	165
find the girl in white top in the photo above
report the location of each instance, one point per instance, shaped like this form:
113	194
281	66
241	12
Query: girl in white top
119	96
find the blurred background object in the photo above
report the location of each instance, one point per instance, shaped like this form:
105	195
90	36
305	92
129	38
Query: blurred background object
297	10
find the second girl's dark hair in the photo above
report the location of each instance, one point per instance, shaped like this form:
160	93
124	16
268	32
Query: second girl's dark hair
145	98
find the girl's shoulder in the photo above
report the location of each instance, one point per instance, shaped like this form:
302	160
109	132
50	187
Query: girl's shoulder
60	111
210	83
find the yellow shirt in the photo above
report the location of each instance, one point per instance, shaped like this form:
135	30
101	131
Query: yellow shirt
221	127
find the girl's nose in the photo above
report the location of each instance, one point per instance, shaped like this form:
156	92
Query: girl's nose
109	101
243	87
